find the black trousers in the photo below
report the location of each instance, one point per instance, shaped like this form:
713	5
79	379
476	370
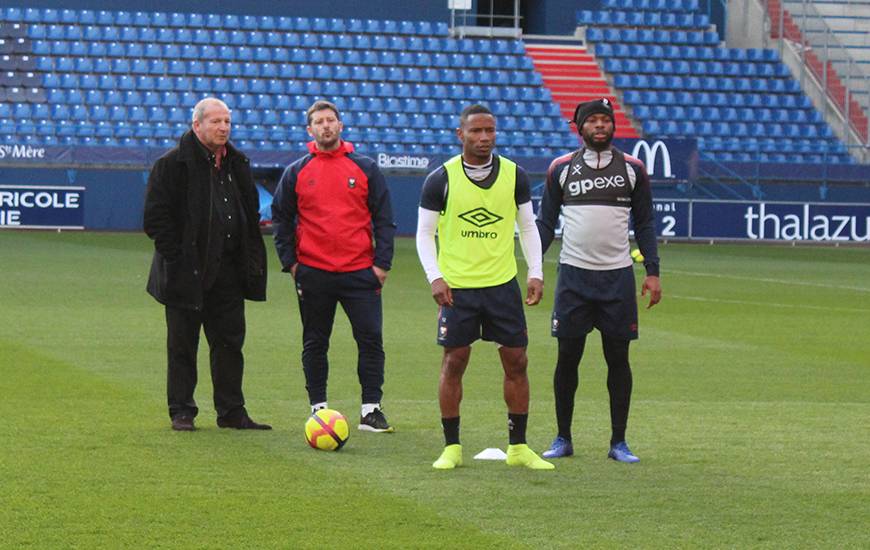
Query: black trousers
223	318
359	293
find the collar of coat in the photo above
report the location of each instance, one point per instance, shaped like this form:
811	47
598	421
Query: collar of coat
189	148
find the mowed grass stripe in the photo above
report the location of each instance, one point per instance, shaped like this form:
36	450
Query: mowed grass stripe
749	420
85	468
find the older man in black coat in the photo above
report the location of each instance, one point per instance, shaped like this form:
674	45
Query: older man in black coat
201	211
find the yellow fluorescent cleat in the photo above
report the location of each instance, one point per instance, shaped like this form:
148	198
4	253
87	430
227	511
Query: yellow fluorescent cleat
521	455
450	458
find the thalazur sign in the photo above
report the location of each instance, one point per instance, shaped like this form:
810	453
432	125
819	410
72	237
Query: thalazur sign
763	221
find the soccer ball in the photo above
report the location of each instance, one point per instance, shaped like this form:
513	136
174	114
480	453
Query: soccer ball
327	430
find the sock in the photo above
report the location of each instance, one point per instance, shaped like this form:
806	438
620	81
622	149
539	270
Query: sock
617	435
619	384
517	428
451	430
368	408
565	381
317	406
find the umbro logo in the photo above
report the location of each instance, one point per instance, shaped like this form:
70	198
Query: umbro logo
480	217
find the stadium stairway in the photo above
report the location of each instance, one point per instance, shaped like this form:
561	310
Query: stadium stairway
824	72
669	66
572	75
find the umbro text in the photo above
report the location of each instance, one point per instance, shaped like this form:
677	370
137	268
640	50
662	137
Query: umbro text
472	234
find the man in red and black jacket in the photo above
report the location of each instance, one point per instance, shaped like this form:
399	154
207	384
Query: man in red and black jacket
333	228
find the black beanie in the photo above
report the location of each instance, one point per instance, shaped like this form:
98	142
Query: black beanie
589	108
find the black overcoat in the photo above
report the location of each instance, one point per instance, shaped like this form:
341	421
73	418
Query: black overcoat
178	218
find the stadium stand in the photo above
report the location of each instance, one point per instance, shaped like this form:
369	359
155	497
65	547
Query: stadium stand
129	79
835	38
742	105
144	71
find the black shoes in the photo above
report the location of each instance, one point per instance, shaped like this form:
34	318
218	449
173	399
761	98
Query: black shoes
375	421
241	423
183	424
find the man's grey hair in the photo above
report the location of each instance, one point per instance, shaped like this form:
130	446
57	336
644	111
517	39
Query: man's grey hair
199	108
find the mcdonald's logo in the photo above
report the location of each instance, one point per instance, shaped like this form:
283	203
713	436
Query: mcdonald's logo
650	155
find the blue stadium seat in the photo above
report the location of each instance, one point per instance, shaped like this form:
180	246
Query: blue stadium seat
55	96
595	34
282	24
162	82
201	36
40	47
175	67
646	36
60	64
273	39
302	24
188	51
632	97
71	32
249	23
414	44
393	42
227	21
164	36
52	32
249	70
412	74
433	44
56	47
324	41
156	114
103	17
129	97
244	53
304	71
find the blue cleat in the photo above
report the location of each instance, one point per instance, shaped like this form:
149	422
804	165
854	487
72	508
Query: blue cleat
560	448
621	453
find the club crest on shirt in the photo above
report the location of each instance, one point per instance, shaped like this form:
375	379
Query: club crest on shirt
351	183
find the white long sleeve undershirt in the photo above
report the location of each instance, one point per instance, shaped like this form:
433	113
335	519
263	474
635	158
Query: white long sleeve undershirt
530	242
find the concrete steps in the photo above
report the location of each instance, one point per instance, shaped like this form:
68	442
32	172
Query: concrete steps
572	75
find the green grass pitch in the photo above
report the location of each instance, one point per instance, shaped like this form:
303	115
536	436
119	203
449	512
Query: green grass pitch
750	415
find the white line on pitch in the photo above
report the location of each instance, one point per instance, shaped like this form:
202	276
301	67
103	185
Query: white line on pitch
767	280
745	278
765	304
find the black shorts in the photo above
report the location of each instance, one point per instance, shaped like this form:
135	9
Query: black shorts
587	299
494	313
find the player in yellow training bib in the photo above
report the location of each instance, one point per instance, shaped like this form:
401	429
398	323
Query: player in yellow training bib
474	201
